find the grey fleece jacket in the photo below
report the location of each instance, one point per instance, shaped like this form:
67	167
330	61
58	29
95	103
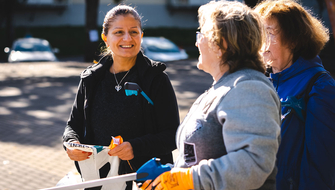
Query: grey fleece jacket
230	136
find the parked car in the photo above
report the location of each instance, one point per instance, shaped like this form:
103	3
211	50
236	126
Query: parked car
31	49
162	49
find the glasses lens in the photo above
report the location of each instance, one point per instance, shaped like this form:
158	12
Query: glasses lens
198	36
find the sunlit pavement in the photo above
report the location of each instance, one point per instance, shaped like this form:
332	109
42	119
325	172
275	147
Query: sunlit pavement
35	102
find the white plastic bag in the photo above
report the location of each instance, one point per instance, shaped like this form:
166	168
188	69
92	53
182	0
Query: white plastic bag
90	167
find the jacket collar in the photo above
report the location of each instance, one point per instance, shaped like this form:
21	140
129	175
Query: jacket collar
146	67
298	67
144	64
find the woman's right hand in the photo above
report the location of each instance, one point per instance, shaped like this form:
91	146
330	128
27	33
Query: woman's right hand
78	155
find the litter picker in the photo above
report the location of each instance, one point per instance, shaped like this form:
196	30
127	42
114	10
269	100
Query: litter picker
148	171
132	88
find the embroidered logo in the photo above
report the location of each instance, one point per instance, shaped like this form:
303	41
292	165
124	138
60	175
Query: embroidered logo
190	154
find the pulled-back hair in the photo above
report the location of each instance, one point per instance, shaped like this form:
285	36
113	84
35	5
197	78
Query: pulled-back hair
117	11
304	34
242	30
120	10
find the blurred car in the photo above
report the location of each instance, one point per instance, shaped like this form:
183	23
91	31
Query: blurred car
162	49
31	49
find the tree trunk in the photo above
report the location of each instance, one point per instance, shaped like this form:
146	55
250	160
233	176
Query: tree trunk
7	8
91	30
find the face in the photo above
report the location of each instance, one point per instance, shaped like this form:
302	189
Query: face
210	54
278	55
124	37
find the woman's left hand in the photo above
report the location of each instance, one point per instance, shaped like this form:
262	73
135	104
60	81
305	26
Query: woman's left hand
124	151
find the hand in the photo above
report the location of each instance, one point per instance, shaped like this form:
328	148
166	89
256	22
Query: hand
176	179
124	151
78	155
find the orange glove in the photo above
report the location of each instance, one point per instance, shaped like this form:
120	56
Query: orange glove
176	179
115	141
145	185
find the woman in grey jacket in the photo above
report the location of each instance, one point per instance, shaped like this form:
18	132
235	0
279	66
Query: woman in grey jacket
230	137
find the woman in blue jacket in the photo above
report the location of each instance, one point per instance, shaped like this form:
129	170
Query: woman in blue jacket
306	157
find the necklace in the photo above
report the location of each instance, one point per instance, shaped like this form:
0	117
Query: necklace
118	86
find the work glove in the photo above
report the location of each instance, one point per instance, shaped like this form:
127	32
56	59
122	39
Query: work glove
176	179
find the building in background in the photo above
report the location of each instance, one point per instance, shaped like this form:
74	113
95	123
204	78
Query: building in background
156	13
175	15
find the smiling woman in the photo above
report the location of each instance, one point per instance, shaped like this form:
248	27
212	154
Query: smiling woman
295	38
123	36
102	108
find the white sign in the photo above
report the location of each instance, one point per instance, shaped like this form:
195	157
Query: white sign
93	35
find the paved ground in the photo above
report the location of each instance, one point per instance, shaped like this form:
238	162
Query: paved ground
35	102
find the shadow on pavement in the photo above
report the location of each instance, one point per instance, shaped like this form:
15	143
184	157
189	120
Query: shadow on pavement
35	110
35	103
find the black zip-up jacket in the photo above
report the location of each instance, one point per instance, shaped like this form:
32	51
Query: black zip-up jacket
160	122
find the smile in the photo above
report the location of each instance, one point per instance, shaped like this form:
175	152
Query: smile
126	46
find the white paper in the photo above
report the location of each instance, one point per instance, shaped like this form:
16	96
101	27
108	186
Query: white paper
93	35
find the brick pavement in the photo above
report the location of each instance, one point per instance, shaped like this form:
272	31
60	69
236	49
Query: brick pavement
35	102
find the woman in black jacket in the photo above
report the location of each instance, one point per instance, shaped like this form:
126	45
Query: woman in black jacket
102	109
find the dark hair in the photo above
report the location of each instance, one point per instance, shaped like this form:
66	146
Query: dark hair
120	10
117	11
242	30
304	34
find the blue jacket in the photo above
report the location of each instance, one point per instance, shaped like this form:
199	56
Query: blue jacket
306	155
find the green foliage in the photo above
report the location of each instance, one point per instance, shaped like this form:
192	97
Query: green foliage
69	40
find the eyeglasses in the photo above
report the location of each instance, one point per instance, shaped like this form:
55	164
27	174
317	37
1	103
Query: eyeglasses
199	35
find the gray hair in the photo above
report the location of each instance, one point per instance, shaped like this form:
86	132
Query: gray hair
242	30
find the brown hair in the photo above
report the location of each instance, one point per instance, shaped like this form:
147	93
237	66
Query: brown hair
117	11
299	30
242	30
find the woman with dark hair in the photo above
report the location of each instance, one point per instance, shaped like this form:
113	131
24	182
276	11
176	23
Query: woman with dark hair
305	158
102	109
230	137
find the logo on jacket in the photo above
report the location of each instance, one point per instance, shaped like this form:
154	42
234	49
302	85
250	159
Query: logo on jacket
190	154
